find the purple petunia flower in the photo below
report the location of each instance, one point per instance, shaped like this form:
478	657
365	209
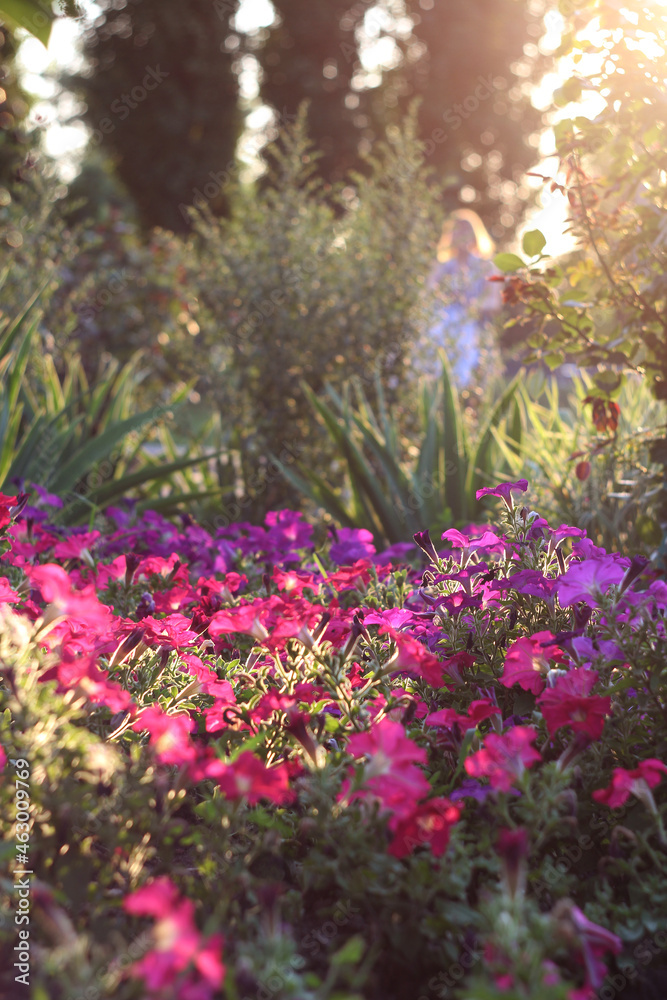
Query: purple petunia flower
352	544
504	491
588	581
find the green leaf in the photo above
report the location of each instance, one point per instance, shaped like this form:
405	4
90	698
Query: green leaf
568	93
554	360
34	17
533	242
99	448
350	953
453	451
508	262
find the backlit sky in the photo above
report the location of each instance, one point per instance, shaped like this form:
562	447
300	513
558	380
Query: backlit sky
65	142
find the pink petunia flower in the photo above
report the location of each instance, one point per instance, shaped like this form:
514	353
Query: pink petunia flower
391	776
169	735
57	591
81	673
173	630
527	661
6	503
248	777
625	783
76	546
504	759
429	823
183	962
570	703
479	710
245	618
413	656
7	594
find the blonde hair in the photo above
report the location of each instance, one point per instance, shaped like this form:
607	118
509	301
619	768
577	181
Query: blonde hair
484	246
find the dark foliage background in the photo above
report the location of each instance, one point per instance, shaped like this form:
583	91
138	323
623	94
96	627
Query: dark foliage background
468	61
185	126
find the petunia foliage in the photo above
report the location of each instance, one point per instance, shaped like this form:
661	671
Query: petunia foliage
240	763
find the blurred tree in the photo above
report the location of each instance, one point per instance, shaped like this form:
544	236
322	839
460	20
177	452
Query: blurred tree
311	55
471	62
473	66
161	96
14	106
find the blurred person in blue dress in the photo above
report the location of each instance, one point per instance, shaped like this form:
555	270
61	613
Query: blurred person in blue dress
466	300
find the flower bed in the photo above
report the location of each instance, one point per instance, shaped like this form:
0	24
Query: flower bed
237	765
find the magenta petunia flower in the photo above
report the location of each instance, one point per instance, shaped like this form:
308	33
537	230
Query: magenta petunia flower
625	783
183	963
423	540
530	582
488	540
503	491
587	581
56	590
430	823
169	735
397	618
570	703
573	927
248	777
527	661
351	544
391	775
504	759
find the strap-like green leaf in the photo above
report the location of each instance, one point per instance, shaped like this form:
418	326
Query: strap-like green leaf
34	17
99	448
454	450
481	469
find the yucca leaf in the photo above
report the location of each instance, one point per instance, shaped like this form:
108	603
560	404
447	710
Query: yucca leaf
361	479
480	470
12	329
317	490
99	448
119	487
454	452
